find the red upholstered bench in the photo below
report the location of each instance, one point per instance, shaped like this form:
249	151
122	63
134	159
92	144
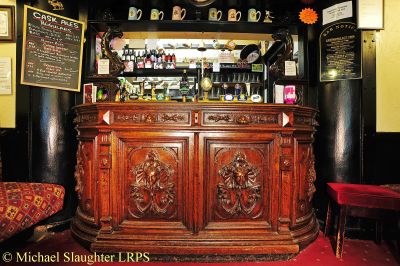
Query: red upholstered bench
358	200
25	204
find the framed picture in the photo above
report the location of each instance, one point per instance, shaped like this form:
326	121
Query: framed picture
7	25
370	14
88	93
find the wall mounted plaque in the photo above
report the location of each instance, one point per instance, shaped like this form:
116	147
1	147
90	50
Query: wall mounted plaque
340	52
51	51
370	14
7	25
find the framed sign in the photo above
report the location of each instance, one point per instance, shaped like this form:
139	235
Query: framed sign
370	14
7	25
5	76
340	52
51	50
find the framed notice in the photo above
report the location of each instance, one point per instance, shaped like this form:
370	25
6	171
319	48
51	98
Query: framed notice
51	51
340	52
370	14
5	76
7	25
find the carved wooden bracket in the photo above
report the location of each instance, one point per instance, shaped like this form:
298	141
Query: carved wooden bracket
116	64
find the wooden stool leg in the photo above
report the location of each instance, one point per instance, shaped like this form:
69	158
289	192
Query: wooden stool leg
378	231
340	231
328	220
398	232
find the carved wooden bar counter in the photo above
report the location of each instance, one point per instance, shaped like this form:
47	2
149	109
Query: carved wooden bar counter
195	178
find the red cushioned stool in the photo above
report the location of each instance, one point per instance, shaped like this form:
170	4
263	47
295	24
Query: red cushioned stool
361	201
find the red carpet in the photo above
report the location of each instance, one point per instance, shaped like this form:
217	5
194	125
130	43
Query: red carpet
319	253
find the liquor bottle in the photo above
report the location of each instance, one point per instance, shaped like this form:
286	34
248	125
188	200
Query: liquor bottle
147	61
184	85
139	60
131	63
125	61
163	57
153	92
134	59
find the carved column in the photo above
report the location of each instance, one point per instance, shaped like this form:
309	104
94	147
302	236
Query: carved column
103	180
286	176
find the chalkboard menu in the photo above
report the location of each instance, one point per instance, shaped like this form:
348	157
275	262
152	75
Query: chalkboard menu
340	52
52	50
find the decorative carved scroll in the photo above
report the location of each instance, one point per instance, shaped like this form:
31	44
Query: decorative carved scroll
173	117
301	120
82	157
277	69
311	176
152	118
152	191
217	118
242	119
116	64
85	118
240	191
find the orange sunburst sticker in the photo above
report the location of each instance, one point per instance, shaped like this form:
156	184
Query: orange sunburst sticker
308	16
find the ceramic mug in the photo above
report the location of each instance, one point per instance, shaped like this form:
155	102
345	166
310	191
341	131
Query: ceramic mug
178	13
253	15
214	14
234	15
155	14
134	13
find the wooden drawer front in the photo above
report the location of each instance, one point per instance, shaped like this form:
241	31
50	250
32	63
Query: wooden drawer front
152	118
216	118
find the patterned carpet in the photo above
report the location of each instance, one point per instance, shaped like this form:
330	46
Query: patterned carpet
319	253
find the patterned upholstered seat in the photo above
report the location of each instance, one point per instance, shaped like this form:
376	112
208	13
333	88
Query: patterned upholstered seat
25	204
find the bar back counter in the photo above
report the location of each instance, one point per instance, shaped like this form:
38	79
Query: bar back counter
195	178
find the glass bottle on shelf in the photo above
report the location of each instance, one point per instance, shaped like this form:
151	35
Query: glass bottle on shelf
184	85
153	92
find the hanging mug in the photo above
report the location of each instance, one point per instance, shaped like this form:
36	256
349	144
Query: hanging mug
134	13
214	14
155	14
178	13
253	15
234	15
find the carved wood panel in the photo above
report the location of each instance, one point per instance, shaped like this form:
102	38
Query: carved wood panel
238	175
152	117
306	178
153	170
238	119
84	176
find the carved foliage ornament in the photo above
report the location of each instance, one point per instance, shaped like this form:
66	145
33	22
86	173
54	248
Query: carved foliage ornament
240	191
82	157
152	191
311	176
